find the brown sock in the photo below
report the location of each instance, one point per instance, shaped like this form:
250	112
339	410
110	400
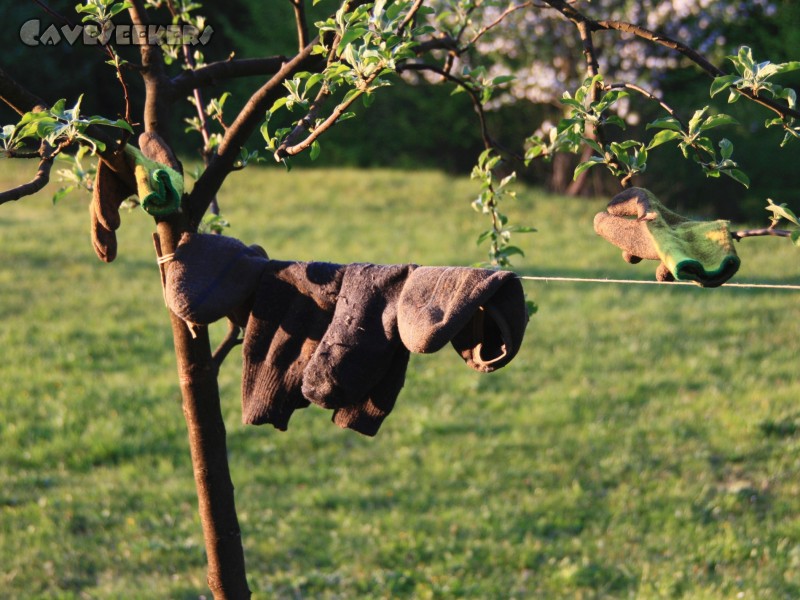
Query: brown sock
211	277
359	364
367	417
293	306
481	311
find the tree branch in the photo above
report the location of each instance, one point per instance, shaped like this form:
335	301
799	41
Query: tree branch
230	341
302	25
607	25
221	164
40	180
18	97
781	110
211	73
766	231
512	8
410	16
156	83
650	96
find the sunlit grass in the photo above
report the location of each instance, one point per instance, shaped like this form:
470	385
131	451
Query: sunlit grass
643	444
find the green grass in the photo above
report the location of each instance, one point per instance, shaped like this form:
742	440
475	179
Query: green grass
644	444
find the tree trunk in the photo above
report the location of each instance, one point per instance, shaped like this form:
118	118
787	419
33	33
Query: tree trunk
201	408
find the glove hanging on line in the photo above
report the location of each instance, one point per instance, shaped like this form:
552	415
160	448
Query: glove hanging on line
699	251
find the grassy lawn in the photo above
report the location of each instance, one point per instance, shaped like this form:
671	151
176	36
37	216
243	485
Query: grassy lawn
644	444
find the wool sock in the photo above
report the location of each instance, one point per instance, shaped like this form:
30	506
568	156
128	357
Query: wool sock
357	364
482	312
293	306
367	417
211	277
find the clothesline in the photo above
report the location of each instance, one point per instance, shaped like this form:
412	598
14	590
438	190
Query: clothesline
769	286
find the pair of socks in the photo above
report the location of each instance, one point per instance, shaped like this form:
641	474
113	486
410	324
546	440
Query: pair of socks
340	336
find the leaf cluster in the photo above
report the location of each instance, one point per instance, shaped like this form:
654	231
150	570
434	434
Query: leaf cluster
756	77
494	190
58	127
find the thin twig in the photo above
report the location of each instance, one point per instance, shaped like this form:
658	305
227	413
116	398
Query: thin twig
488	142
205	128
511	9
650	96
781	110
307	122
105	49
576	16
18	97
285	150
410	16
230	341
765	231
248	119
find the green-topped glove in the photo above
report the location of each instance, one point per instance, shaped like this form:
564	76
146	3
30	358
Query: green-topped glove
158	186
152	173
699	251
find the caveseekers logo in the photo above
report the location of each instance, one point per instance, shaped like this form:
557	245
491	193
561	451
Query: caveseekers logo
35	33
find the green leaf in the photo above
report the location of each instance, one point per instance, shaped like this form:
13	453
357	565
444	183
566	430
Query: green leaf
489	233
726	148
511	251
781	211
315	150
585	166
664	136
616	120
796	237
278	104
665	123
121	123
572	102
717	121
350	95
696	119
503	79
61	193
739	176
626	145
350	36
786	67
593	145
722	83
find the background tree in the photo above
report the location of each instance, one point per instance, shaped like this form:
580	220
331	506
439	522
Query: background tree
297	96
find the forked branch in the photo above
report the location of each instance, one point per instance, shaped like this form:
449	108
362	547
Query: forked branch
246	122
